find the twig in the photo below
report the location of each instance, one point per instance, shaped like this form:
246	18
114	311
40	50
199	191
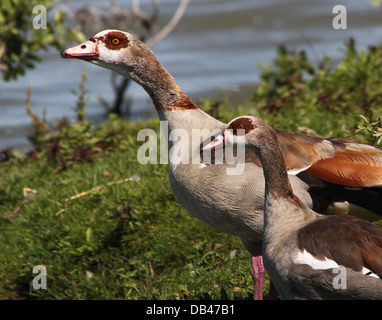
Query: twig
136	8
95	189
310	45
3	48
105	104
170	25
28	194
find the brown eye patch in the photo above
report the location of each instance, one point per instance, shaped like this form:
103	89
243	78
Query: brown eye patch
242	124
115	40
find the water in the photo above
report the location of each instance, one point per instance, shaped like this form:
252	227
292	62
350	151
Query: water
217	45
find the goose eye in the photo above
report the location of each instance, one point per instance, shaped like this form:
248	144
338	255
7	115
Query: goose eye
240	126
115	41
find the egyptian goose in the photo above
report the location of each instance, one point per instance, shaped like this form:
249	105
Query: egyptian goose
234	204
307	255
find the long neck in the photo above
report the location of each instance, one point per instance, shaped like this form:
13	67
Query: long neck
284	212
148	72
276	177
158	83
172	105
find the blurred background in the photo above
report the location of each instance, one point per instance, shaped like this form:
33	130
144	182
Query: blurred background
217	45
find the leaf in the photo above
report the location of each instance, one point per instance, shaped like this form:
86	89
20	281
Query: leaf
89	235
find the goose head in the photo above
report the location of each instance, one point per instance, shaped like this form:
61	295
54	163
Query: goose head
126	55
246	131
112	49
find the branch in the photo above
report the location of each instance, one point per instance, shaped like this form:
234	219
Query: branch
147	21
171	24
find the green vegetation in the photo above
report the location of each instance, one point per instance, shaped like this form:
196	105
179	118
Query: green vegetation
319	98
20	41
107	227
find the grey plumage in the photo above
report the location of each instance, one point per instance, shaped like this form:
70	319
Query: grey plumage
232	204
308	255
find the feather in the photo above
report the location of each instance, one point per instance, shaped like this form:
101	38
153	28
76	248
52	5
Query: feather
354	165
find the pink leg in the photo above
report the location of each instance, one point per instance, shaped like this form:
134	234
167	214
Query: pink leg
258	274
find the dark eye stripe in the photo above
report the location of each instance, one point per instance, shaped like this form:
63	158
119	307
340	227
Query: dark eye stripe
110	38
241	124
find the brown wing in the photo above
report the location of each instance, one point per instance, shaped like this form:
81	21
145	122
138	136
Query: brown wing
338	161
302	151
347	240
353	165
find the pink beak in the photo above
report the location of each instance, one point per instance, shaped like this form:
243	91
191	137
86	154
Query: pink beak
216	143
85	51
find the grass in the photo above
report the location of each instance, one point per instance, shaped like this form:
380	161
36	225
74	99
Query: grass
121	240
107	227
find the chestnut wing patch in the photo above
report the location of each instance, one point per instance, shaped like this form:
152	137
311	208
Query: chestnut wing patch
353	165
